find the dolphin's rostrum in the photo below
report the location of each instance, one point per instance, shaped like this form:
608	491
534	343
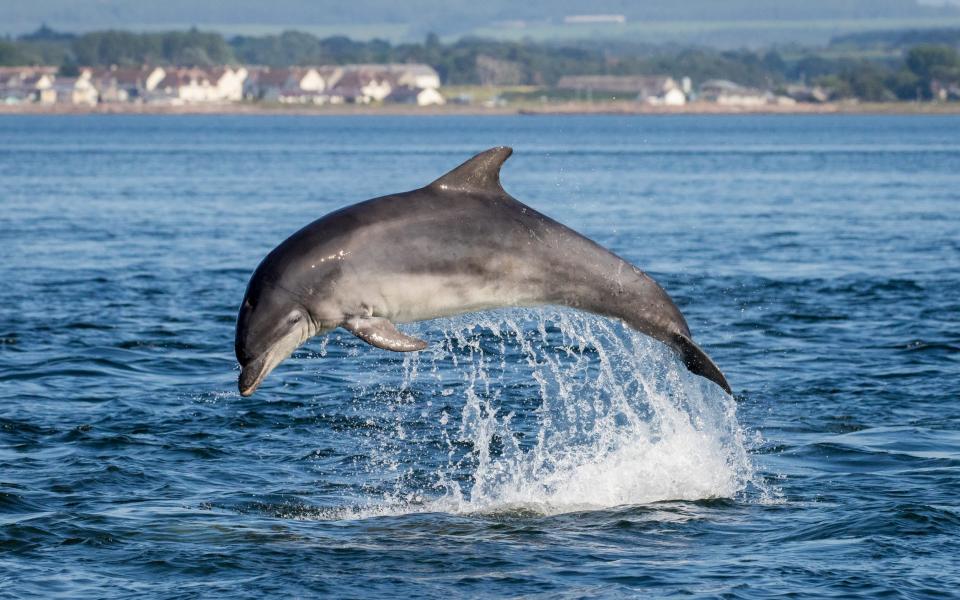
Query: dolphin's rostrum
458	245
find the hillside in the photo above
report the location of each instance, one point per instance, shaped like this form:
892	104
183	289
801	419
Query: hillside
732	22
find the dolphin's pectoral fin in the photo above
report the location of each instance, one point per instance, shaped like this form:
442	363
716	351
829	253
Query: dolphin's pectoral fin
697	361
381	333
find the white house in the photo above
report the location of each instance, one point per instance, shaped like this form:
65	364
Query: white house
196	85
183	86
415	75
651	89
227	83
335	84
28	84
76	90
419	96
728	93
673	96
126	84
298	85
430	97
363	84
360	83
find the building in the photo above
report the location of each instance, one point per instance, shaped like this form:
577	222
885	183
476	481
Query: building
415	75
405	83
293	85
227	83
27	84
803	93
728	93
652	89
594	19
363	84
125	84
421	97
16	94
196	85
181	86
944	91
76	90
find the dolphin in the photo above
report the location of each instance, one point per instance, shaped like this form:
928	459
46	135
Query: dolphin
459	245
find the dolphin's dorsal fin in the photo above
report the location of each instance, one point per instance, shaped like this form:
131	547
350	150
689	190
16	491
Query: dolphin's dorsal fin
480	173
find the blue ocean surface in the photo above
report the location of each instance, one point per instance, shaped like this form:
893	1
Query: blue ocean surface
534	453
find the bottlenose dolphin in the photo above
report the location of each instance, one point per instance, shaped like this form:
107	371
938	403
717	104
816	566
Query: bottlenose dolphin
459	245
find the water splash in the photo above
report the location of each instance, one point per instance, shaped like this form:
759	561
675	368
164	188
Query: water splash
544	411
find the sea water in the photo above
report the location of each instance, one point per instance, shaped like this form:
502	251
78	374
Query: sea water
536	452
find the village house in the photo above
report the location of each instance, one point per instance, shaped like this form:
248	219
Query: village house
728	93
594	19
803	93
125	84
227	83
651	89
414	83
292	85
944	91
196	85
415	75
10	94
27	84
420	96
363	84
180	86
336	84
76	90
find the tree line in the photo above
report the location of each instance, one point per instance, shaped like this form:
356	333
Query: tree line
905	75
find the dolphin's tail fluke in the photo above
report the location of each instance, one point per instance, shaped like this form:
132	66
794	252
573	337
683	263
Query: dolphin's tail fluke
698	362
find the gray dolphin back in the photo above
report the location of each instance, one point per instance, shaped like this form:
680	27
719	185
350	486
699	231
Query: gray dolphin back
581	273
458	245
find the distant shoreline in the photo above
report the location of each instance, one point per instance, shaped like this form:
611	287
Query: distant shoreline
566	108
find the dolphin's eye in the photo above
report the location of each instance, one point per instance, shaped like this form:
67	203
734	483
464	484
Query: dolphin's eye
294	319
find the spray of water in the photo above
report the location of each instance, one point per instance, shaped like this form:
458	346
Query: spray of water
544	411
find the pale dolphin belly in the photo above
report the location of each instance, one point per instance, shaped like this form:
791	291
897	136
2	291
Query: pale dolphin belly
410	298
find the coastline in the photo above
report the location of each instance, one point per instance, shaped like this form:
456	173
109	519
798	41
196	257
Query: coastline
565	108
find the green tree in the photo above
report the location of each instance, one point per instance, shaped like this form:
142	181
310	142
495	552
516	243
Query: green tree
930	64
12	55
933	62
907	86
838	86
867	82
176	47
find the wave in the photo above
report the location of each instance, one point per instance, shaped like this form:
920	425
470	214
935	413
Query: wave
559	411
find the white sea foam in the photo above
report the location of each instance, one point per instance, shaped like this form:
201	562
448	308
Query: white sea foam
560	411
